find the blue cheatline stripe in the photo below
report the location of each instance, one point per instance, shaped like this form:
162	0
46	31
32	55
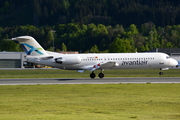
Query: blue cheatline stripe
31	50
24	48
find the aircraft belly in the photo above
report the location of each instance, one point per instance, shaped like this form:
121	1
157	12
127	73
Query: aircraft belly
148	66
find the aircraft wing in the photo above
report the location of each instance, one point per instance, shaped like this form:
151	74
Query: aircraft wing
101	65
109	64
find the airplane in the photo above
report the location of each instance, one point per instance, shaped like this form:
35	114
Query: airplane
92	62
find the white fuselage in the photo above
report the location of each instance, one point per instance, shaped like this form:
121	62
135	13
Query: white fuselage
108	61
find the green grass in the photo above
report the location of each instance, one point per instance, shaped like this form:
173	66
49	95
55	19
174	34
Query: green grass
56	73
90	102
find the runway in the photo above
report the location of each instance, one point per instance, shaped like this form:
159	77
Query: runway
126	80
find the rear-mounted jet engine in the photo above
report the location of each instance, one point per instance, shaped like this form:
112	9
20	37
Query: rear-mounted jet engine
68	60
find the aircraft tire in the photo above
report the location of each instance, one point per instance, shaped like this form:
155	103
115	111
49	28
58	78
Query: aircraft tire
101	75
160	73
92	75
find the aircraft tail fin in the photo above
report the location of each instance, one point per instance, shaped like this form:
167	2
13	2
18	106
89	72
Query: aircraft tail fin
30	46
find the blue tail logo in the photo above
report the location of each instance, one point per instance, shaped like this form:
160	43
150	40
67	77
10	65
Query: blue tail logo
31	49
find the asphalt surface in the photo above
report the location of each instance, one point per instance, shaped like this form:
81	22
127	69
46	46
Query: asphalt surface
89	81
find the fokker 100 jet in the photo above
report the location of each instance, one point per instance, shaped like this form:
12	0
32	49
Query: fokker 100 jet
81	62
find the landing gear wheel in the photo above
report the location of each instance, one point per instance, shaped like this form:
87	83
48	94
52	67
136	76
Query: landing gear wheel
101	75
160	73
92	75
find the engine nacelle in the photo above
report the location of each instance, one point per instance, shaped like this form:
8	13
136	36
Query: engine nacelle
68	60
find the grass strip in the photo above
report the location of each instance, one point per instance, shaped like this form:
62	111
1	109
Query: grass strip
56	73
90	102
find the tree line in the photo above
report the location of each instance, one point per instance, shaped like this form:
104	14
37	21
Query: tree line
94	38
106	12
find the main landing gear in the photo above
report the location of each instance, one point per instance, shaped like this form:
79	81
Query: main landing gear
93	75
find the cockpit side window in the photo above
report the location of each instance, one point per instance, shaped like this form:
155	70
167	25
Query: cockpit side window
167	57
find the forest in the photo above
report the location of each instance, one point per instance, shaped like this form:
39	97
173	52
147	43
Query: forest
92	26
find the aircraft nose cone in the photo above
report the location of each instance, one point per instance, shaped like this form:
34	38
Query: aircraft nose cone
174	63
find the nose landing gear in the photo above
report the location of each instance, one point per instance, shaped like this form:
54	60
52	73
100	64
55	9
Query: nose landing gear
161	73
